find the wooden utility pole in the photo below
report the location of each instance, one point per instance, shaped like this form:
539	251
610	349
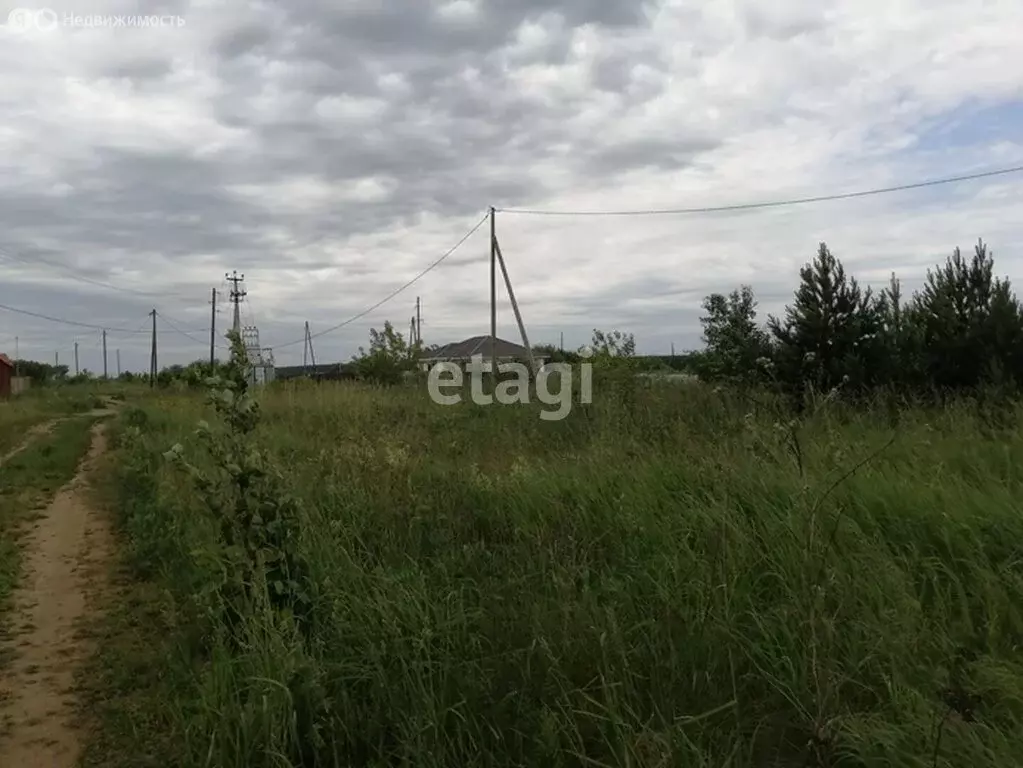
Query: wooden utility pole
493	295
419	321
213	330
17	357
562	346
76	358
152	356
305	349
104	355
515	306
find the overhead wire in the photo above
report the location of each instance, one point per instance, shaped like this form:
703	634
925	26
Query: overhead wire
391	295
174	327
769	203
476	227
65	321
82	278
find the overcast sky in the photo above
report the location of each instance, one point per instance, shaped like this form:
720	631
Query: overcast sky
332	149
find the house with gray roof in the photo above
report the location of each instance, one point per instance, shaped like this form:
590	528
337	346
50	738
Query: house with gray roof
462	352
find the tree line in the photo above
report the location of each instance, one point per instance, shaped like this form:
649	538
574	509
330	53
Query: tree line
962	332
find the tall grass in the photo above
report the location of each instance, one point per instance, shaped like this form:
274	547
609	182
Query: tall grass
669	576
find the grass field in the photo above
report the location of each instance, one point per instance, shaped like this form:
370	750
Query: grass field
669	576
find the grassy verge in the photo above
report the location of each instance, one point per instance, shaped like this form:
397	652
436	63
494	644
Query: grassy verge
665	578
27	483
21	413
127	689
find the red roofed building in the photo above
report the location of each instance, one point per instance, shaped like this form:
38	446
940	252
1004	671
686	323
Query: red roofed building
6	372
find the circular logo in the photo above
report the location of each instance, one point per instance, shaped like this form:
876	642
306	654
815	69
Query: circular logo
46	19
21	19
26	19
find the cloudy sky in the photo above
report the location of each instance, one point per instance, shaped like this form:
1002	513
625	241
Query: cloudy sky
333	149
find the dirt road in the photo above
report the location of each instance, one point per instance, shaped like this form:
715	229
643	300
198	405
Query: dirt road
64	549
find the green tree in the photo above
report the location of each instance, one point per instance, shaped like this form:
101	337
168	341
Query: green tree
970	323
41	373
388	358
737	347
613	349
829	337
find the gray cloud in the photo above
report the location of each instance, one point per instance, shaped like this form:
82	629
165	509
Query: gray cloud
332	150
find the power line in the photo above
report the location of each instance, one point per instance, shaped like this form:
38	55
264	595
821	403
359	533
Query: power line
771	203
390	296
179	331
82	278
64	321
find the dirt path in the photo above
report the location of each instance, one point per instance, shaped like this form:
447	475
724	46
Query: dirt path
62	548
34	432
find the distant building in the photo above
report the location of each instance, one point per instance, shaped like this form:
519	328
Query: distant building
6	375
321	372
462	352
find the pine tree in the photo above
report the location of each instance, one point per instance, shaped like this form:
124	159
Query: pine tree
970	322
829	336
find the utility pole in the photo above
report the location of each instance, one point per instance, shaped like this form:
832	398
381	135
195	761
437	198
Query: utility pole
562	346
515	307
76	358
419	321
118	363
213	329
17	358
152	357
305	348
236	297
105	376
493	295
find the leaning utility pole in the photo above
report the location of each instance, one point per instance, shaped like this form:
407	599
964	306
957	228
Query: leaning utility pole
236	297
152	356
213	329
104	354
76	358
419	321
493	295
515	306
305	349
